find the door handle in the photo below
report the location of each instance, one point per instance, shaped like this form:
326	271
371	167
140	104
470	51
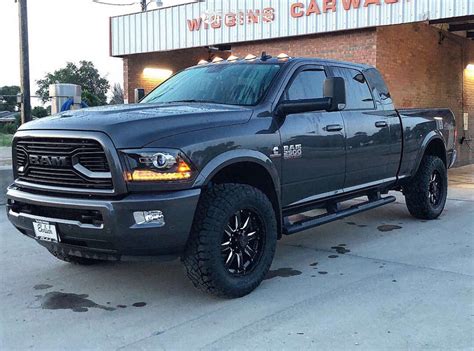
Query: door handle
334	128
381	124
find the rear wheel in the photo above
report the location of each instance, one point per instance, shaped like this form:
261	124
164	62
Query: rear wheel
233	241
427	192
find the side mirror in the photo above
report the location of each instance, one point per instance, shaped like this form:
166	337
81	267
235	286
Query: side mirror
286	108
334	100
335	89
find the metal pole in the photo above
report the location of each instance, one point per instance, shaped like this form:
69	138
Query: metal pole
24	62
143	2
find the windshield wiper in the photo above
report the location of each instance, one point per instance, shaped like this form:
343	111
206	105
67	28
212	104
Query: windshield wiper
193	100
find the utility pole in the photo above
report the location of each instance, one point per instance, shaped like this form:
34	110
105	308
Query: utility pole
24	62
143	3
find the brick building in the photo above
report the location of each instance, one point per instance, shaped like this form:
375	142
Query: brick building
424	48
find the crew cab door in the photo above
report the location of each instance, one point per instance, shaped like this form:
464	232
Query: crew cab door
312	144
369	141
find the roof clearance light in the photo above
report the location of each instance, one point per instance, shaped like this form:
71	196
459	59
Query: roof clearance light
232	58
283	57
203	62
157	73
250	57
217	59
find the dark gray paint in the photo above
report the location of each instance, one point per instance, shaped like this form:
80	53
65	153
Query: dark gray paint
359	157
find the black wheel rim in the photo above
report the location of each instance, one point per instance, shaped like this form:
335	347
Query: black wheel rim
435	191
242	242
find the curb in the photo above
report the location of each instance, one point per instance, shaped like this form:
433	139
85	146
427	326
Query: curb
6	178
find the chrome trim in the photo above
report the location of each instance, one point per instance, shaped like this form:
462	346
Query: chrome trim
343	191
111	154
55	220
88	173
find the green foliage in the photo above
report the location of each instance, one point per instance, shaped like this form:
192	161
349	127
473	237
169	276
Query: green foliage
117	95
8	103
5	139
94	87
40	112
8	128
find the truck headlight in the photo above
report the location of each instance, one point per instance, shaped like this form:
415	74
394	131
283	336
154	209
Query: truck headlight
149	165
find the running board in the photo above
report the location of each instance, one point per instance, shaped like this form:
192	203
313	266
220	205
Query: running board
294	228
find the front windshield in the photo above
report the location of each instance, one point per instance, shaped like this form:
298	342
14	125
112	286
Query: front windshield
231	84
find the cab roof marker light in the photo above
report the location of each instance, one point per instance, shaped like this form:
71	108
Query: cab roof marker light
203	62
283	56
232	58
217	59
250	57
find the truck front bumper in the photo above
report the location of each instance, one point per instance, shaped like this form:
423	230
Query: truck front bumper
107	229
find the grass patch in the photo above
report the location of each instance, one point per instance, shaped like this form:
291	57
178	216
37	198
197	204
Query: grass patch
6	139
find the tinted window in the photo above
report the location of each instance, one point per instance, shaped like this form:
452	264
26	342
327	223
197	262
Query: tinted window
357	90
307	85
233	84
378	84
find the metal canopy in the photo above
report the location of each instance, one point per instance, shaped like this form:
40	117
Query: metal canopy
220	22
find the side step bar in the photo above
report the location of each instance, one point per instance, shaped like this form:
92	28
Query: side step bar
294	228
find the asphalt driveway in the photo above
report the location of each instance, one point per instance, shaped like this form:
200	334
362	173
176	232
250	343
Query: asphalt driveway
375	281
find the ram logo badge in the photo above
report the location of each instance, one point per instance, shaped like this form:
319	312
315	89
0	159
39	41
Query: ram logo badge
292	151
51	161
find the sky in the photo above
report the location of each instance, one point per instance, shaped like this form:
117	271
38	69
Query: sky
61	31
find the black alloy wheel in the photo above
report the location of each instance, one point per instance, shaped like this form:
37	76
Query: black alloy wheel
242	242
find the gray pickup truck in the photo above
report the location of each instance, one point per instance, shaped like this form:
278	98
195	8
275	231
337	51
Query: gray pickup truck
214	164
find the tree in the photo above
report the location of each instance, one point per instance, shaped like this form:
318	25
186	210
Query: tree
117	95
94	87
8	103
39	111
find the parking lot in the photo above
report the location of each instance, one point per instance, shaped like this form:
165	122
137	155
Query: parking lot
378	280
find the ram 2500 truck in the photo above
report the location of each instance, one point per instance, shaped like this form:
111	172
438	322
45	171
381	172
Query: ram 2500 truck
214	165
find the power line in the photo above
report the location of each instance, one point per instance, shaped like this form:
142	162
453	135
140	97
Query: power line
114	4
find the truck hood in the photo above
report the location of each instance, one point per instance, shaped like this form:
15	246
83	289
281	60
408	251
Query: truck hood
134	126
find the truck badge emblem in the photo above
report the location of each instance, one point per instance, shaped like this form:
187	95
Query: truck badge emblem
52	161
292	151
276	152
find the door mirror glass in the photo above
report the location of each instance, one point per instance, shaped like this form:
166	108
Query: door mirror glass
335	89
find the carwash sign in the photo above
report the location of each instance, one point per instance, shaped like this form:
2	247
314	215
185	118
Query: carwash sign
217	19
216	22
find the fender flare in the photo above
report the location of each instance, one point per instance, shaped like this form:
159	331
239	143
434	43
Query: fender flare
430	137
237	156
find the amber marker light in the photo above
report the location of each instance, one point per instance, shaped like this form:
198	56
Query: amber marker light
217	59
151	176
250	57
232	58
203	62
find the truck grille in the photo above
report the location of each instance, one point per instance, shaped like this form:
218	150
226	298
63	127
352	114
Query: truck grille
63	162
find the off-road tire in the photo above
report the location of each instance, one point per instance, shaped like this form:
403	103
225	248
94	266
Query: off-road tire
417	192
203	260
74	259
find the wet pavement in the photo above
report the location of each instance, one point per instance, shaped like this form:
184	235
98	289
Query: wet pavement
375	281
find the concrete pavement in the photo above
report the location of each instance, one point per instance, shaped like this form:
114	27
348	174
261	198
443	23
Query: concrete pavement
375	281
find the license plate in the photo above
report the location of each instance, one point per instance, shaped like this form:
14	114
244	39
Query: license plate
45	231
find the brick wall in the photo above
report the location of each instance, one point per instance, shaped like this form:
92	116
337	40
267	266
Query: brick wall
424	68
175	61
356	46
468	103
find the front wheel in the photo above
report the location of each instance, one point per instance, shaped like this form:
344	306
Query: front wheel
233	241
427	192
